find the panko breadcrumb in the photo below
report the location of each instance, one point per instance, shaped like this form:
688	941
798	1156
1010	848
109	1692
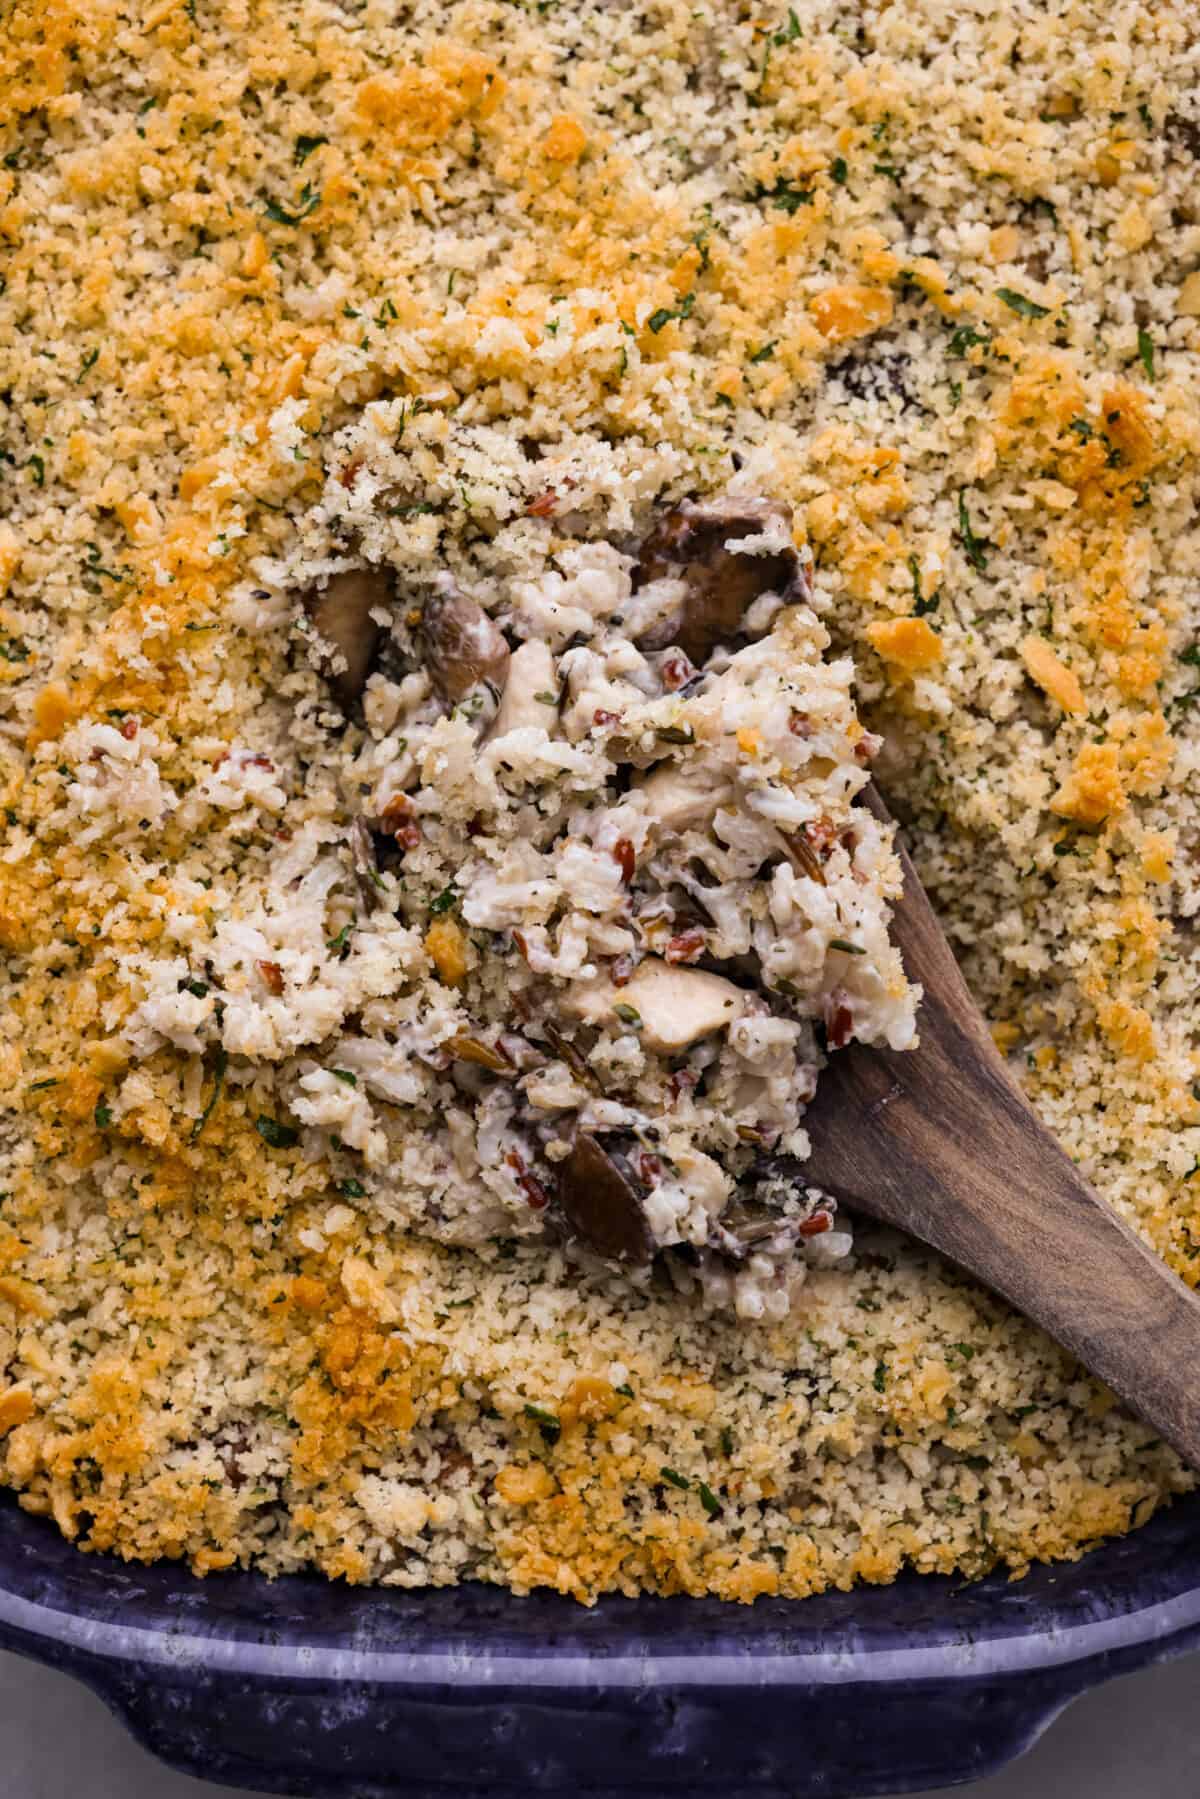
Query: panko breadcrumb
925	276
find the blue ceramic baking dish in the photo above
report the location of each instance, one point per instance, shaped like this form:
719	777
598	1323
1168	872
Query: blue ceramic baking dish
306	1688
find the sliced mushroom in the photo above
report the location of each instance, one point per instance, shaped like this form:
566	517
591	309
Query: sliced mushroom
721	583
744	1227
683	796
463	648
530	694
341	616
603	1204
669	1006
756	1219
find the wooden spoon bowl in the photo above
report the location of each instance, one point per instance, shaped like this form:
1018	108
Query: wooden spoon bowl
939	1142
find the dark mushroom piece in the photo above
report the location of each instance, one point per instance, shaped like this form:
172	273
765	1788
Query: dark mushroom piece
463	648
603	1205
341	616
722	584
744	1226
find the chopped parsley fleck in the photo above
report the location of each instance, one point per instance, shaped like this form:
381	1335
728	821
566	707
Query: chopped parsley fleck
89	362
305	147
766	353
197	989
1146	352
103	1116
39	1086
880	1376
887	168
218	1083
446	899
279	1136
788	33
921	605
628	1015
341	943
974	548
1019	303
660	319
546	1422
848	949
39	470
838	170
625	1390
352	1189
1083	431
726	1439
13	650
785	194
310	199
709	1500
676	1480
344	1075
964	339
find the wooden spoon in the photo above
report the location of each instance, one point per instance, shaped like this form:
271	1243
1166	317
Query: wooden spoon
939	1142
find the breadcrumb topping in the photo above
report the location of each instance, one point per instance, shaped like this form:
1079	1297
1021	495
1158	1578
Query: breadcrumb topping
924	275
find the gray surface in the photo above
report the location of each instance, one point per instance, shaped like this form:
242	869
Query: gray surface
1137	1738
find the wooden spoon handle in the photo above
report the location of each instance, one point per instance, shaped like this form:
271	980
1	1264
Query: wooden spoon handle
939	1142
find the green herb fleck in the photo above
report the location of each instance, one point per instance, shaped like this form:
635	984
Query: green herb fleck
726	1439
197	989
1146	352
676	1480
89	362
625	1390
838	170
660	319
964	339
341	943
974	548
345	1076
219	1066
880	1378
546	1422
305	147
785	194
279	1136
310	199
40	1086
444	901
547	699
766	353
709	1500
628	1015
352	1189
103	1116
1028	309
921	605
849	949
787	34
39	470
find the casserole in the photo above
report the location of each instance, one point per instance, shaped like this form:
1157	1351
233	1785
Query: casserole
307	1688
